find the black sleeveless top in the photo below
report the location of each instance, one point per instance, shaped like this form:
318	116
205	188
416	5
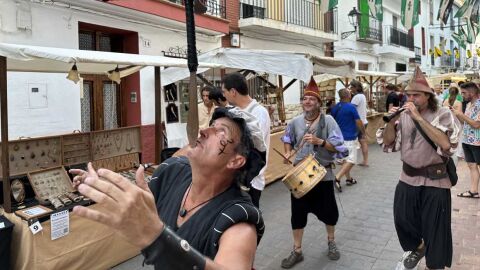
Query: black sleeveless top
205	227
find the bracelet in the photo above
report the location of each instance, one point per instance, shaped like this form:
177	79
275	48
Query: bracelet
323	143
173	252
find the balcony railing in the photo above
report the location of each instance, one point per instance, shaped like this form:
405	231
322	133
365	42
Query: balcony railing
297	12
372	33
399	37
215	8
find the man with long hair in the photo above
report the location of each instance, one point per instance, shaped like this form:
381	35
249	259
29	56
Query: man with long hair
422	202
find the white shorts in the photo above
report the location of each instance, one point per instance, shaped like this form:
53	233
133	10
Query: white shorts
352	151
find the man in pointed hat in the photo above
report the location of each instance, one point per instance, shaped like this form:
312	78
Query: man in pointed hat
422	202
313	133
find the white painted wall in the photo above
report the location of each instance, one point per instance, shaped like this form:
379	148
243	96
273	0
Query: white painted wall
57	26
60	115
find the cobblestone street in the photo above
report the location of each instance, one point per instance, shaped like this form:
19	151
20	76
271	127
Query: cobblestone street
365	232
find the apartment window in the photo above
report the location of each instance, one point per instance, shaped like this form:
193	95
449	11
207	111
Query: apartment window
452	22
362	66
394	21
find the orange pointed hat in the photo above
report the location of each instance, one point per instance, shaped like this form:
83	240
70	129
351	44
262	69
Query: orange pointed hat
419	82
312	89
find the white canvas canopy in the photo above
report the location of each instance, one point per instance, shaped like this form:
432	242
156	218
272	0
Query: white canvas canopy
50	59
291	64
368	73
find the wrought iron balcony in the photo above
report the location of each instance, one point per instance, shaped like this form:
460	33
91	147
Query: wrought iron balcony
398	37
370	32
297	12
215	8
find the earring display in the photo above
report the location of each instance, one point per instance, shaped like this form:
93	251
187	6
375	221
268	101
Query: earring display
50	184
34	154
172	113
76	148
111	143
119	163
170	93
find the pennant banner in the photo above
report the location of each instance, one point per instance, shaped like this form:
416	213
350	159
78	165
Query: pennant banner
445	10
376	9
410	13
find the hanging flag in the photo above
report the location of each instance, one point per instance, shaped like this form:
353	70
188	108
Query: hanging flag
438	52
478	51
379	5
327	5
448	52
410	13
469	54
460	38
466	9
445	10
457	54
376	9
430	51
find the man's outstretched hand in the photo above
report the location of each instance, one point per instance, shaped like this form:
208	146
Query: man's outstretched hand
128	209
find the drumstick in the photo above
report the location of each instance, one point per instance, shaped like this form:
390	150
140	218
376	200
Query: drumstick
285	158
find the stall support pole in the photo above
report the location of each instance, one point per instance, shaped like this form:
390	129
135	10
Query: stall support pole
158	116
7	203
280	102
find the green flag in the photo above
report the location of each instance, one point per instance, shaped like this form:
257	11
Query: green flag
376	9
327	5
410	13
444	10
460	38
466	10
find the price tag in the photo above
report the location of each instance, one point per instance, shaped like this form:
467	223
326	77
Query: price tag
60	224
35	227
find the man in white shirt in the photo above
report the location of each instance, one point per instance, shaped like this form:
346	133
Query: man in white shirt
360	102
235	90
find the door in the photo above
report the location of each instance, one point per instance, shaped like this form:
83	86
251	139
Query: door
100	104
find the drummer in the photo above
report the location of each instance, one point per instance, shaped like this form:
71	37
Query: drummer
314	133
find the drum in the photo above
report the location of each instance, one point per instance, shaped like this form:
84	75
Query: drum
304	176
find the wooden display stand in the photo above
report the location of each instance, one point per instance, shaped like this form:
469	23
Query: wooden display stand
276	169
89	245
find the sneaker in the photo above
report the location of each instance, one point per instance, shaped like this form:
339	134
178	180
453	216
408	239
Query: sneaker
413	258
292	259
333	253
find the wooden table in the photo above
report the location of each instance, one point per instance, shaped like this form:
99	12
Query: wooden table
89	245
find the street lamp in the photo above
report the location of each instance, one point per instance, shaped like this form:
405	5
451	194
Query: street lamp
353	19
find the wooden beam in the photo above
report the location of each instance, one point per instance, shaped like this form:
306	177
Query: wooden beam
7	203
207	82
158	116
289	84
263	79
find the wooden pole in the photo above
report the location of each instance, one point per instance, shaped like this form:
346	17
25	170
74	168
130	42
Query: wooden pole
280	102
158	116
7	203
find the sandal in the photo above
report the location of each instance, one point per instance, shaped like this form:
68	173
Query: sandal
351	181
468	194
338	186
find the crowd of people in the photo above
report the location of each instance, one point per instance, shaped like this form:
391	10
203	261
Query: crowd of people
201	209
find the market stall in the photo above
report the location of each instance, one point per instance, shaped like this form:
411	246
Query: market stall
297	66
82	244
